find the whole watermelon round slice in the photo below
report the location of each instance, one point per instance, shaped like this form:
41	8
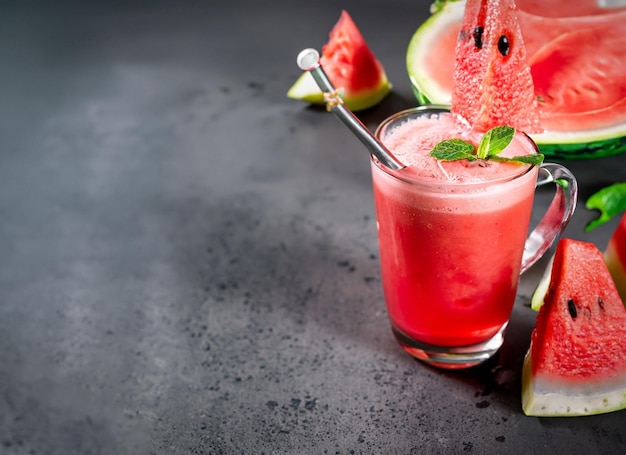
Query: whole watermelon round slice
576	363
350	65
575	54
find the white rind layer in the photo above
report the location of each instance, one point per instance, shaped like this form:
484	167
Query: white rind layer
545	398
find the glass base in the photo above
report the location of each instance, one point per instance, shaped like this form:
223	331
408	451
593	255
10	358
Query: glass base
451	357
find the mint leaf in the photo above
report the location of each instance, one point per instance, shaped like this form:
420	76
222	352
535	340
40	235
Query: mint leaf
535	160
494	141
491	144
454	149
610	201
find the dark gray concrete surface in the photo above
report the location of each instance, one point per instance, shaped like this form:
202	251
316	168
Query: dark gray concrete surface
188	259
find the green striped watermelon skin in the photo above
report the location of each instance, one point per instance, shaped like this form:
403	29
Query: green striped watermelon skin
584	151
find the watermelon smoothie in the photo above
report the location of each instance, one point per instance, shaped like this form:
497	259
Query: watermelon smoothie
451	239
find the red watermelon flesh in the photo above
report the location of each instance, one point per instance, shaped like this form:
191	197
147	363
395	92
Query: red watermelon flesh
562	8
576	364
577	66
615	257
492	80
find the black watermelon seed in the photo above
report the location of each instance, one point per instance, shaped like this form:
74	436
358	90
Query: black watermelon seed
478	37
504	46
571	307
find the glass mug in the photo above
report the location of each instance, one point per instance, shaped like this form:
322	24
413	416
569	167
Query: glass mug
451	253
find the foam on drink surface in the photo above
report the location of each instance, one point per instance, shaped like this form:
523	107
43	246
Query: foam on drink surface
412	141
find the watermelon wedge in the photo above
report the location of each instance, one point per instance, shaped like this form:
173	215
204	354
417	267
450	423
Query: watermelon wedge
350	65
574	50
615	257
576	363
492	81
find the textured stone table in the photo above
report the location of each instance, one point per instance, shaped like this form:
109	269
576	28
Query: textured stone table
188	259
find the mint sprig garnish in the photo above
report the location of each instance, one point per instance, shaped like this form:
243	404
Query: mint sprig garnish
492	143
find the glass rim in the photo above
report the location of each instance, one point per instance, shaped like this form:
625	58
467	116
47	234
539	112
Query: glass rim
432	183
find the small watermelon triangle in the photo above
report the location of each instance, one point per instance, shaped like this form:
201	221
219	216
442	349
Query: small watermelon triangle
576	364
350	65
493	84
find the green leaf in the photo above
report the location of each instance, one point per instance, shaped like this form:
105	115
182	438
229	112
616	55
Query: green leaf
494	141
453	149
610	201
563	182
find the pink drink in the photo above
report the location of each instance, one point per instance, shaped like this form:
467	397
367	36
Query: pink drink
451	235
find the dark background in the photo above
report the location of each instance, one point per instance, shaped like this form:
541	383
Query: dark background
188	259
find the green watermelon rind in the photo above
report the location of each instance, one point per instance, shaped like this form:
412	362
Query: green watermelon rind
583	150
536	402
306	89
554	145
422	99
538	297
425	89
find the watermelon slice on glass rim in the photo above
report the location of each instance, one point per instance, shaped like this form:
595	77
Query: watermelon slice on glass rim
576	363
575	54
492	83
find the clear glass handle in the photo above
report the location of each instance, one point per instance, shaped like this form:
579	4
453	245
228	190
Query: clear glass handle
556	217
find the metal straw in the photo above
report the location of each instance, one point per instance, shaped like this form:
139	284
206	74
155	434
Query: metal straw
309	60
